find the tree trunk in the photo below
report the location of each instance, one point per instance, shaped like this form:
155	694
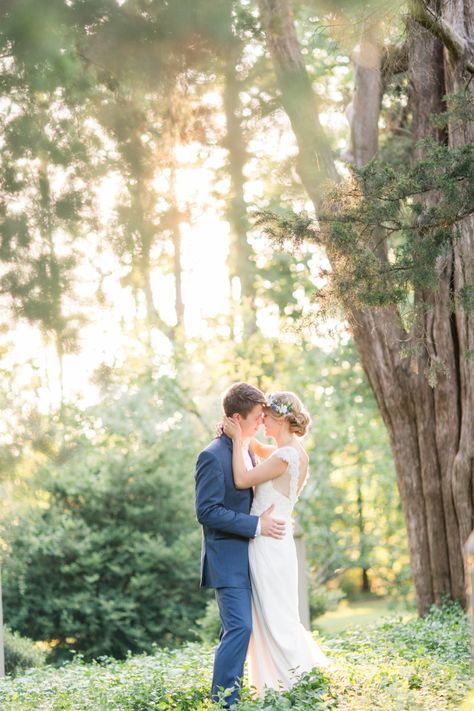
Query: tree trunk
55	321
241	256
142	203
365	582
154	320
175	222
460	16
315	160
2	644
431	430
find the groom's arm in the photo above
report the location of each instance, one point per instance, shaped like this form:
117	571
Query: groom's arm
210	509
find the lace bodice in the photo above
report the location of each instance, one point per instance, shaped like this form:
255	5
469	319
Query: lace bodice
282	491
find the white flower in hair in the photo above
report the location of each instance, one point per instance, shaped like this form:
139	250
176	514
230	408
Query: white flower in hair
280	407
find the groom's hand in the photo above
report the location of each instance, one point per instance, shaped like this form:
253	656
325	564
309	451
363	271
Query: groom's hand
272	527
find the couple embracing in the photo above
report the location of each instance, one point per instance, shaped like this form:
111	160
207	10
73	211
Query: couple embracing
248	553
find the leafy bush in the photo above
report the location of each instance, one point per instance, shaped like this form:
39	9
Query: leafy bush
323	599
21	653
167	680
311	692
420	664
208	626
110	561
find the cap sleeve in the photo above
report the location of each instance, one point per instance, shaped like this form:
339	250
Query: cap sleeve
291	456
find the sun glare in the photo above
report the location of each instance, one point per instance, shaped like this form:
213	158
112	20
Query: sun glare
111	331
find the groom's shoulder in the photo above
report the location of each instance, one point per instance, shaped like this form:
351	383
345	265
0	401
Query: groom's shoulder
216	447
210	455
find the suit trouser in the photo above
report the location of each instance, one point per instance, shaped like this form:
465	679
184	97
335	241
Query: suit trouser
235	609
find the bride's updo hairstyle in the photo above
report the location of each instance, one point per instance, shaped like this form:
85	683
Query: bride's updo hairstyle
287	405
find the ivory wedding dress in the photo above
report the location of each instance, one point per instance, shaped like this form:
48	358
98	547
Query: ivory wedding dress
280	647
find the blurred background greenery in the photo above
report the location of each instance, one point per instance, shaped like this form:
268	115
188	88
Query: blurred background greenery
135	286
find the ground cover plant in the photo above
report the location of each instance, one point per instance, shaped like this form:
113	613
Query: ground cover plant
21	653
419	664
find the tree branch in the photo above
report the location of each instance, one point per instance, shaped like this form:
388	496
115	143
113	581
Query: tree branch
315	160
394	61
460	48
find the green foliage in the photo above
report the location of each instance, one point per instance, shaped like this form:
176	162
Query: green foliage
284	280
411	213
116	502
350	508
105	559
208	626
46	162
311	692
416	664
21	653
167	680
110	561
323	599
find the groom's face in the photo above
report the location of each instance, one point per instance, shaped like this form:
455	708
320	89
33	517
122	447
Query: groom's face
250	424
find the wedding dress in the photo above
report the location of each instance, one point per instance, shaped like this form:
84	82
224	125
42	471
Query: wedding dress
280	647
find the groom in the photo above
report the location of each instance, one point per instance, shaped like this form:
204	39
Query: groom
224	513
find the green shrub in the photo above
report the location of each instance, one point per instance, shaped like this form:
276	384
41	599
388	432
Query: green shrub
349	582
322	599
208	626
110	561
419	664
176	679
21	653
312	693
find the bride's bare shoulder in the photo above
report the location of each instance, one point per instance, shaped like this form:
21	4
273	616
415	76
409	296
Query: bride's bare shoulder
301	451
303	455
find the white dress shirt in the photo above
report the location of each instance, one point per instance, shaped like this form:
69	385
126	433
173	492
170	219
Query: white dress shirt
249	465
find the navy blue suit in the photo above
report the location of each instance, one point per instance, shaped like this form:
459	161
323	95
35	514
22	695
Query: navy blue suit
223	512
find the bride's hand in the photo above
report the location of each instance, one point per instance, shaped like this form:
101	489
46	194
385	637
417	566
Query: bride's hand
232	428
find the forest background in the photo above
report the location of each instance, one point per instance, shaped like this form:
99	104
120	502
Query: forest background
169	226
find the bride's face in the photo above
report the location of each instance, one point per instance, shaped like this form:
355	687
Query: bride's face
272	424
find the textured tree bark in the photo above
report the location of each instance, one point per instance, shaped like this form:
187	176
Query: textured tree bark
241	257
431	430
434	328
378	335
460	16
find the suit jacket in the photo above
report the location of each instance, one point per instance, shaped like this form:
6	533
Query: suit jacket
223	512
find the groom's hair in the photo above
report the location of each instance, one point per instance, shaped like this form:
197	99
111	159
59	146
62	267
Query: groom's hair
241	398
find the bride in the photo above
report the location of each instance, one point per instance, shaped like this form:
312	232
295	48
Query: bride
280	647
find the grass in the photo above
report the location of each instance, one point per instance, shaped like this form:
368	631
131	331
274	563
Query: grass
392	665
363	612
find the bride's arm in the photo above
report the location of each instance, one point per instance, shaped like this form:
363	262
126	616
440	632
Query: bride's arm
243	478
261	450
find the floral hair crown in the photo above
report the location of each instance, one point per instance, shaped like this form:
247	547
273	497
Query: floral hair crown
280	407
